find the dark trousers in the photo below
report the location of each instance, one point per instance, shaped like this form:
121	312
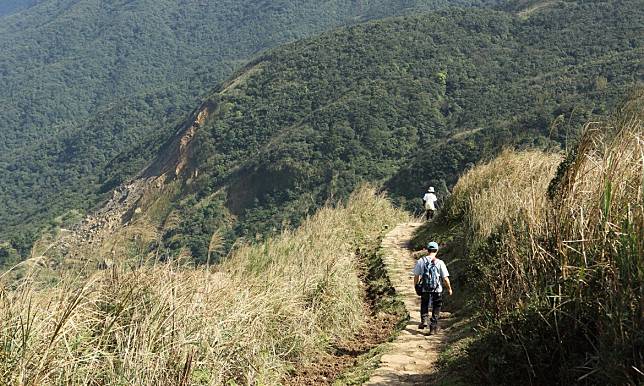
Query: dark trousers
429	214
436	301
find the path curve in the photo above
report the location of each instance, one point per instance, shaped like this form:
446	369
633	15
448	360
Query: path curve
411	358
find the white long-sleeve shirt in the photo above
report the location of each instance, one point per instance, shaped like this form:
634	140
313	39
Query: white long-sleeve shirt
430	201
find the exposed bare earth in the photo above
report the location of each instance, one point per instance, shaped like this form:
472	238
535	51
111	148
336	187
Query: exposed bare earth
411	357
329	368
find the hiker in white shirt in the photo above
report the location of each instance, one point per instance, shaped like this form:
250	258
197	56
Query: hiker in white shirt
429	202
429	272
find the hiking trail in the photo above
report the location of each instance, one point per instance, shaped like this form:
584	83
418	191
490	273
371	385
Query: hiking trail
411	358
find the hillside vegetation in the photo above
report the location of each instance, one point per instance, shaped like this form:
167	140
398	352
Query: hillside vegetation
553	251
265	309
8	7
83	82
407	102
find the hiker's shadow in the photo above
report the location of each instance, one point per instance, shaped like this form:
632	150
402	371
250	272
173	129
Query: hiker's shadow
415	331
429	378
408	379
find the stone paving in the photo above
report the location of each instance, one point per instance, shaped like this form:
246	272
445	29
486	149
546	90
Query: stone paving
410	359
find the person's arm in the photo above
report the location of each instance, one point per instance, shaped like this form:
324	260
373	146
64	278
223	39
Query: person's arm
445	275
417	271
448	285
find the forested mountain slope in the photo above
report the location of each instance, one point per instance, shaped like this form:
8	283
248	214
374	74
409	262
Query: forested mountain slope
407	101
8	7
82	81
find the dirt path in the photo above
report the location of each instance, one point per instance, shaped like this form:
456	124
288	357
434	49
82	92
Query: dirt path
411	357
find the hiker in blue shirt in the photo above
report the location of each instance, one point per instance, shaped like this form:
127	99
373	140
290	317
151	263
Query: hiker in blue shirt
428	274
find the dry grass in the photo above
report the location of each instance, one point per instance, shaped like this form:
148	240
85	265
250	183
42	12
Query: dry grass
558	262
500	204
511	186
264	309
596	239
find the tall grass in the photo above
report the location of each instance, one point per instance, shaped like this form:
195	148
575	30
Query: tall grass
501	204
596	235
510	187
558	262
265	309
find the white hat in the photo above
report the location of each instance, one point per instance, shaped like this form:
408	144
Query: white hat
431	189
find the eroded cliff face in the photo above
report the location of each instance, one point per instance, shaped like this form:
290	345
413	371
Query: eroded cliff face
133	221
174	160
125	224
174	156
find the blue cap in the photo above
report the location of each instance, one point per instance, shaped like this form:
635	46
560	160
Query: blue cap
432	245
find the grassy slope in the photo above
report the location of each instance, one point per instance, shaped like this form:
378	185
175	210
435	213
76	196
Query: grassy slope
554	244
265	309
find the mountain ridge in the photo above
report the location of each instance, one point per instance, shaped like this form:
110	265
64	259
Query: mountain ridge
288	138
91	89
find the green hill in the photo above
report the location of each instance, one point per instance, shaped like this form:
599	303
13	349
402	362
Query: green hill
7	7
82	82
406	102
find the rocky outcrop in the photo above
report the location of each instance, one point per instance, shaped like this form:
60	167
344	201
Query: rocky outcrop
82	243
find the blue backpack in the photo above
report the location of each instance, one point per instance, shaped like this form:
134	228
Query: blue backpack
430	280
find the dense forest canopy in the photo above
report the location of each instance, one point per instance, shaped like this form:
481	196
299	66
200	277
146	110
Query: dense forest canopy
408	102
90	89
8	7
